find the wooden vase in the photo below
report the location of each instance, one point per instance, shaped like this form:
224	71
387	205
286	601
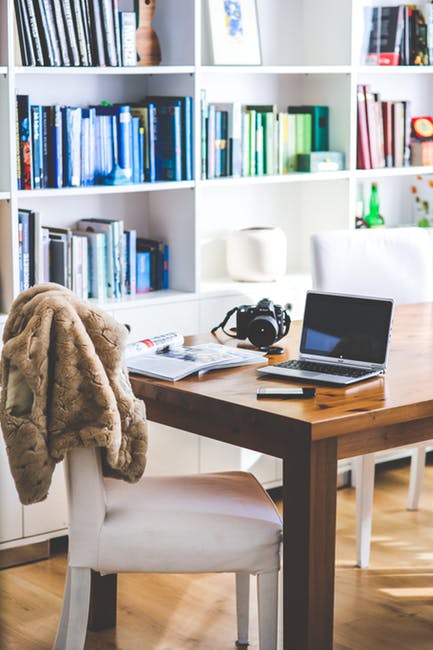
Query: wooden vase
148	48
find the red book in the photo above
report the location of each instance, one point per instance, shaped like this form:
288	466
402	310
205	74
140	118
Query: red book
25	141
363	158
387	132
386	28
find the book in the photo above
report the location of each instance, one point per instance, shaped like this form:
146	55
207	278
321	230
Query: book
71	36
60	255
71	129
24	34
179	361
363	157
25	141
51	34
88	132
398	131
96	263
29	12
109	33
387	132
168	153
81	41
51	56
157	343
79	265
24	229
130	253
372	127
61	32
37	145
143	271
385	34
127	21
107	228
319	124
96	33
55	146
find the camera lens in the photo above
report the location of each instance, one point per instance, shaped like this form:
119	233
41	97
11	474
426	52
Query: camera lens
262	331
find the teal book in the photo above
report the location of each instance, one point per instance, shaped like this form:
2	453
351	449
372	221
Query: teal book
319	125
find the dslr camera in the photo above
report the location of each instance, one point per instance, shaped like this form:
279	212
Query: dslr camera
263	324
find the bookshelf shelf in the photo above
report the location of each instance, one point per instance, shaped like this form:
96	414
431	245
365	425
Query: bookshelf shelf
108	71
162	186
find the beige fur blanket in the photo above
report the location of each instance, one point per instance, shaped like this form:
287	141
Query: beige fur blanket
64	385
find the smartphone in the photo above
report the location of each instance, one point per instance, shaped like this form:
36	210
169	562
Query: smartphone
293	392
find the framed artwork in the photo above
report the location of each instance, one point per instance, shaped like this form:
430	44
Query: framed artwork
234	32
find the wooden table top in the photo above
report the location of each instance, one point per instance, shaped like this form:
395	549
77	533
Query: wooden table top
369	408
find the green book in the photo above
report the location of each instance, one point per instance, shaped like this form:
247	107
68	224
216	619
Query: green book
319	125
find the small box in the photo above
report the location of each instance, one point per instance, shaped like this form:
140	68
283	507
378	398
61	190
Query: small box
320	161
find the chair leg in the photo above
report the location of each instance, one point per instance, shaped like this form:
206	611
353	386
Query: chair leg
364	469
71	633
267	597
242	607
417	466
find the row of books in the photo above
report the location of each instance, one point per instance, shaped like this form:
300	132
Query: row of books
96	259
112	144
252	140
398	35
75	33
384	131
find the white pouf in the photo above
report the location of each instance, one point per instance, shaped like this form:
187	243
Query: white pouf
257	254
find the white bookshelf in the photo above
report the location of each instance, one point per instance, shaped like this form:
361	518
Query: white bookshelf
310	55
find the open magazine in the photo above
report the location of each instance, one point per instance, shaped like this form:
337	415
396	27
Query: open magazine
173	362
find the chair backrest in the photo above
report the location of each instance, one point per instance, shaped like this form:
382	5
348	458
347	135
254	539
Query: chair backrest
389	262
86	502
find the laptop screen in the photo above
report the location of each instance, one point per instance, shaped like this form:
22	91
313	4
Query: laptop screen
346	327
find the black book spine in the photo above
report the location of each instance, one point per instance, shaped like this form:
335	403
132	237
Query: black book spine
108	28
87	31
70	32
96	31
34	32
61	32
23	35
79	30
44	33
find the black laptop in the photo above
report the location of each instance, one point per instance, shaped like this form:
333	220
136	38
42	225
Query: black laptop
344	339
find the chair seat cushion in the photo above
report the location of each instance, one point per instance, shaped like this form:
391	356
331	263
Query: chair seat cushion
183	524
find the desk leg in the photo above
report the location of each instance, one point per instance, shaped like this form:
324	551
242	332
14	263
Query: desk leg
309	511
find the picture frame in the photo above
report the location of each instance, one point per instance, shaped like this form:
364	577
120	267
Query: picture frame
234	32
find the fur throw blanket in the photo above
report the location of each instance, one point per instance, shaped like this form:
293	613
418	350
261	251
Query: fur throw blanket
64	384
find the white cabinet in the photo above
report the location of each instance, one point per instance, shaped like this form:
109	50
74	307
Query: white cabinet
310	55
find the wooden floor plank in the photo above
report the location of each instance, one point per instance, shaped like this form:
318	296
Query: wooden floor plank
386	607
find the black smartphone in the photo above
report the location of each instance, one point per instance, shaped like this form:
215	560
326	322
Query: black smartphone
292	392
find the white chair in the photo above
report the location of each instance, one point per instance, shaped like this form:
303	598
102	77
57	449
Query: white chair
395	263
222	522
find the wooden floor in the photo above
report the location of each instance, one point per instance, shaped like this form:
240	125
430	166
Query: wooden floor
386	607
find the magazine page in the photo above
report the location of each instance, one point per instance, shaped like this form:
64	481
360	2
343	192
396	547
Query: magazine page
155	344
180	361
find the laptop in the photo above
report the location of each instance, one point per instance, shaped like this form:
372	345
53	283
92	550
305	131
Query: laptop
344	339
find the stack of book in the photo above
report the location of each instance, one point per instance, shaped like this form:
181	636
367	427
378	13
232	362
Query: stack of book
253	140
96	259
75	33
398	35
384	129
71	146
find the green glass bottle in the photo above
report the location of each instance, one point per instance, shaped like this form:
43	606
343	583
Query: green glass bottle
374	219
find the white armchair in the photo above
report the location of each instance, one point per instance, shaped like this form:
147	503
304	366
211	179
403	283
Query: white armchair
395	263
222	522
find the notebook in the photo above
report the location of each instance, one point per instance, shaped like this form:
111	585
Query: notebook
344	339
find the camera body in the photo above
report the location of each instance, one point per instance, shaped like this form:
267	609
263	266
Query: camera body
263	324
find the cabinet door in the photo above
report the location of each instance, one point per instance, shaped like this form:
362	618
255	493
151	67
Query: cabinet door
149	320
52	514
11	525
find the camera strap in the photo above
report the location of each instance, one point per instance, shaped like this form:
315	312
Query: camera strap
232	331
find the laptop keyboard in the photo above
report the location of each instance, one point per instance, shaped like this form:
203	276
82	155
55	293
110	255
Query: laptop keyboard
329	369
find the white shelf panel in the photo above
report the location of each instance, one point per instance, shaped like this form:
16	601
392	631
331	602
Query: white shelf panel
393	172
296	177
110	71
108	189
276	69
226	287
398	70
147	299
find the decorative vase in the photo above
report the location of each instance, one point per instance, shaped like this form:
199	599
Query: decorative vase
147	42
257	254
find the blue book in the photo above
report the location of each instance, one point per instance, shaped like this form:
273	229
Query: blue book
185	106
143	260
165	276
100	225
150	170
44	132
141	152
130	249
124	126
88	163
168	144
96	263
135	132
55	147
37	146
71	123
104	146
23	220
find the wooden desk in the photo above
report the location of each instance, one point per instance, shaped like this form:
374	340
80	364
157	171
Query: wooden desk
310	436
